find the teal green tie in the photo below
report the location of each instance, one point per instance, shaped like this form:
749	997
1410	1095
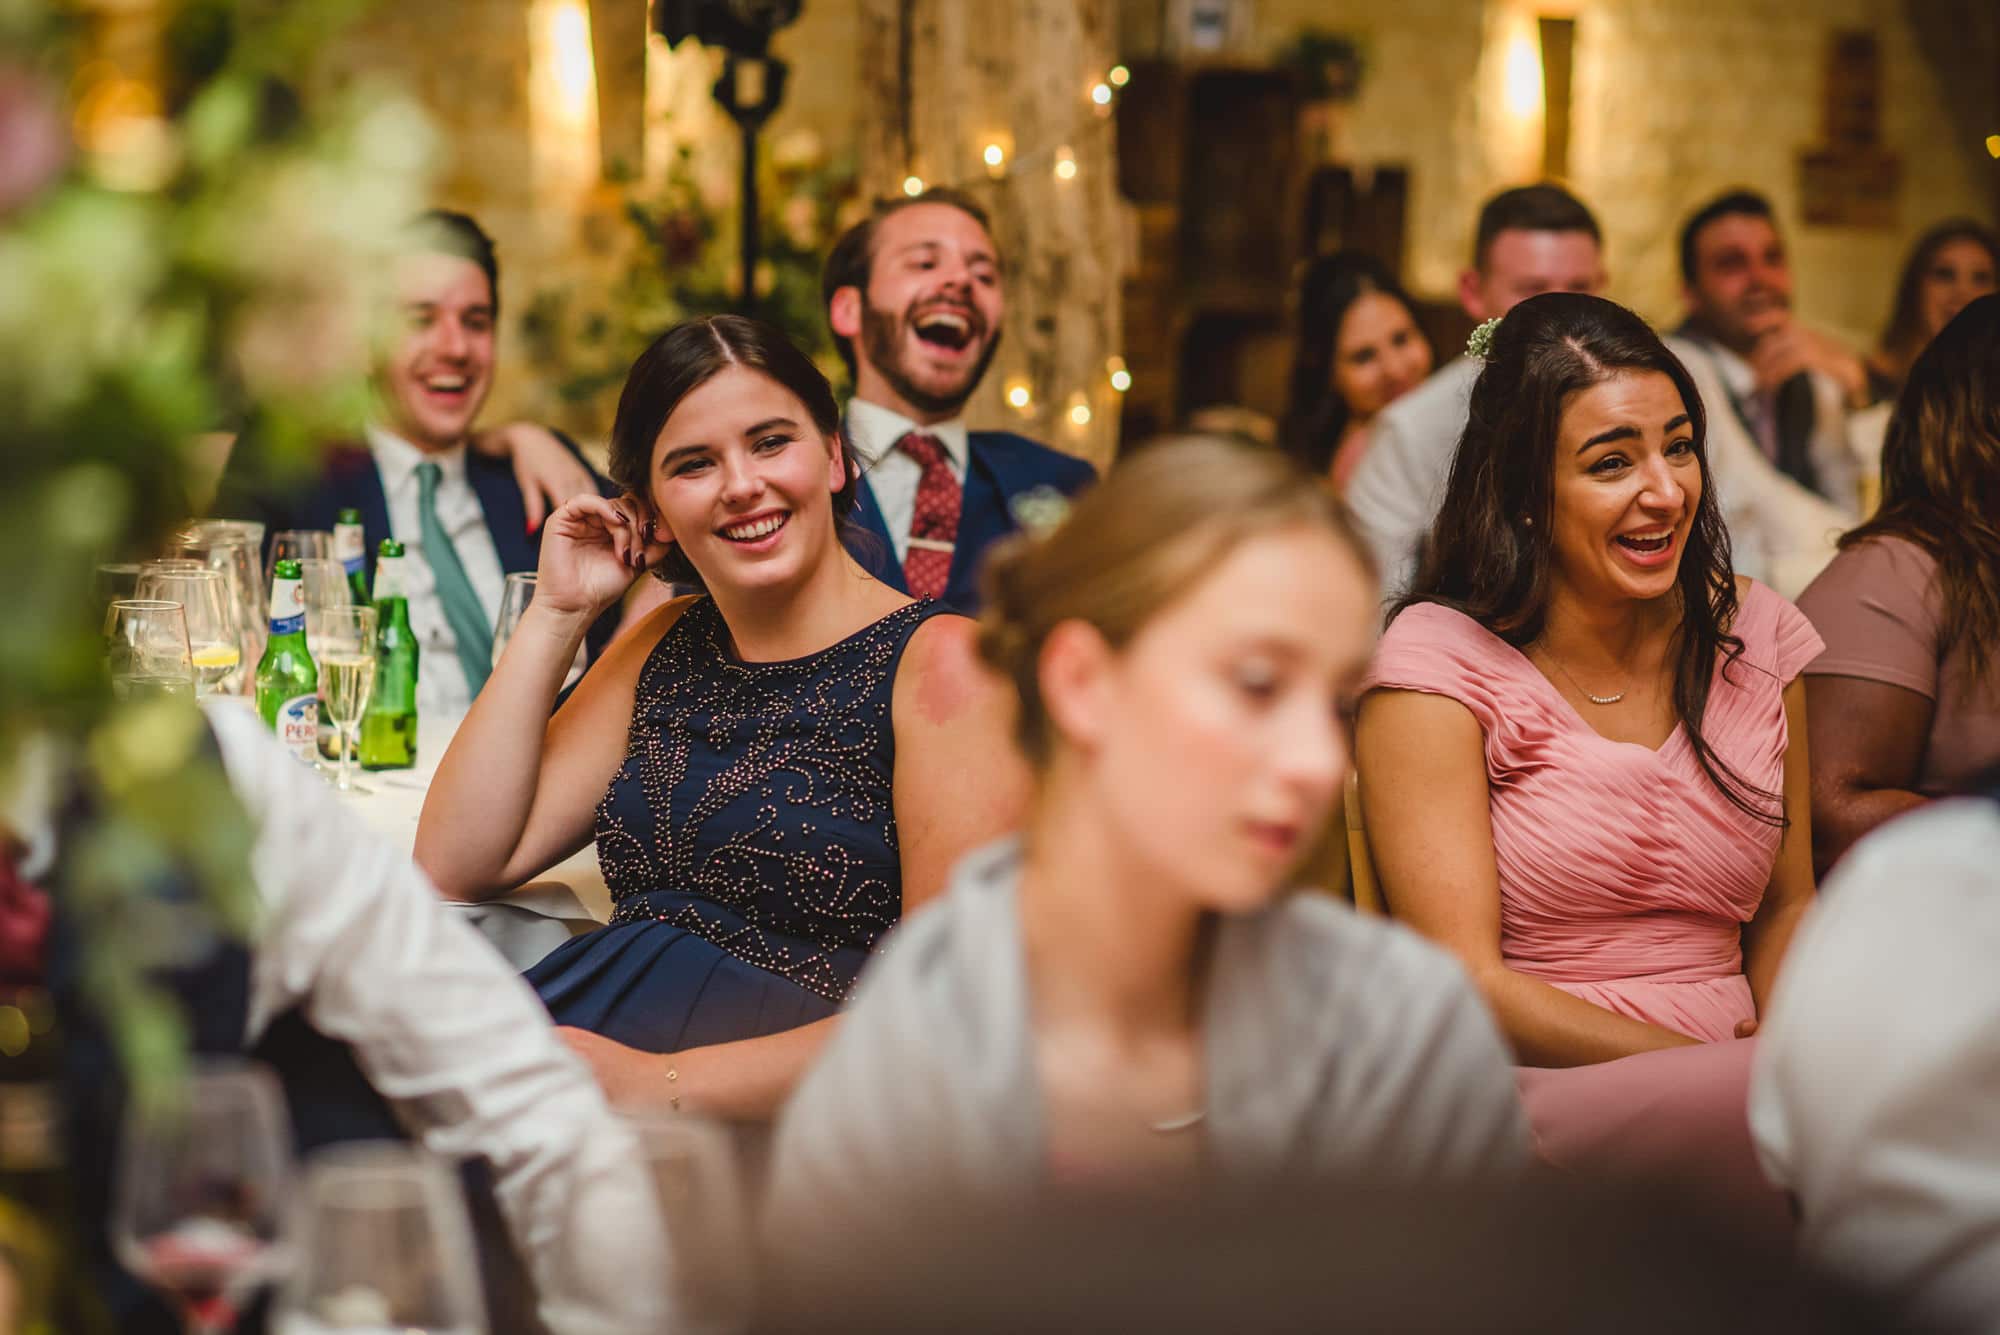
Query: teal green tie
463	611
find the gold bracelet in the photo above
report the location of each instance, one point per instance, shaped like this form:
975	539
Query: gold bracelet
673	1098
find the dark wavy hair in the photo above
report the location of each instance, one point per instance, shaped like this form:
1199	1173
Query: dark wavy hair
1941	474
1317	415
1489	553
684	359
1903	338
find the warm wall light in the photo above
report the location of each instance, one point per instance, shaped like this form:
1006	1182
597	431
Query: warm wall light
913	186
1993	144
1524	74
1101	94
994	155
1119	76
1019	397
1079	411
562	93
1065	164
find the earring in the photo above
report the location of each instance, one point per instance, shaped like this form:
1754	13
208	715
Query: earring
1527	521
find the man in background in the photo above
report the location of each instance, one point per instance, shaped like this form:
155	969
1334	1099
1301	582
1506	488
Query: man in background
915	297
1530	240
461	515
1778	393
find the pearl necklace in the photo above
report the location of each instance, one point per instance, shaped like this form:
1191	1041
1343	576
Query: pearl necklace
1594	699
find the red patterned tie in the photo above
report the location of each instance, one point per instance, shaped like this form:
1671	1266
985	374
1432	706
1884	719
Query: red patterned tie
934	524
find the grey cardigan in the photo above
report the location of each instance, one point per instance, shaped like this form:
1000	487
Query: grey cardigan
1336	1046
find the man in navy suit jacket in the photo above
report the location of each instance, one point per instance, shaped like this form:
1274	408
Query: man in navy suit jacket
914	298
431	374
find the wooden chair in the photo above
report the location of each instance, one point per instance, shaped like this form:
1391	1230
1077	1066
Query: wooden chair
1366	890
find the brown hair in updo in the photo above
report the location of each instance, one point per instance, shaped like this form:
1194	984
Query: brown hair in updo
1133	545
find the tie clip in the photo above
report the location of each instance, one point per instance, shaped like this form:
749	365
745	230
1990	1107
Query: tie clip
932	544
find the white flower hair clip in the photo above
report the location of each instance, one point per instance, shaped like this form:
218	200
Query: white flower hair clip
1479	345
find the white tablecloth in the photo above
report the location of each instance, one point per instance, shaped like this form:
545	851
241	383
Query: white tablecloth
526	923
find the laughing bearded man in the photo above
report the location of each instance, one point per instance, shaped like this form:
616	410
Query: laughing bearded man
915	299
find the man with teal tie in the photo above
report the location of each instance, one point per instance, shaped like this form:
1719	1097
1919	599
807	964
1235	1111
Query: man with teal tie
459	513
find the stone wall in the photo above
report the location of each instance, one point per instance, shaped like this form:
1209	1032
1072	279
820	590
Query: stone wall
1673	101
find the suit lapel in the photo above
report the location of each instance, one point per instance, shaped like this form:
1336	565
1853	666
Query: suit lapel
871	545
506	517
983	519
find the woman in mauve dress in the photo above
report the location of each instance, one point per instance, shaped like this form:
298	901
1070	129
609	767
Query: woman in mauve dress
1583	752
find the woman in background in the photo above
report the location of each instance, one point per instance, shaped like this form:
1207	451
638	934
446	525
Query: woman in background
1905	701
1359	350
1951	264
1125	999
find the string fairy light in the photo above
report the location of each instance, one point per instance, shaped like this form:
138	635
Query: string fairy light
996	160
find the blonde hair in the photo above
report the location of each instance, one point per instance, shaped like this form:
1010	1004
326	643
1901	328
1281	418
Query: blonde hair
1134	545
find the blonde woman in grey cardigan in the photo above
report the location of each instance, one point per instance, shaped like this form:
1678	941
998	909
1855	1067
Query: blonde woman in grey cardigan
1125	998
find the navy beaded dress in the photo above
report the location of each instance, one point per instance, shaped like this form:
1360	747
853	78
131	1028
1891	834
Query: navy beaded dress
749	841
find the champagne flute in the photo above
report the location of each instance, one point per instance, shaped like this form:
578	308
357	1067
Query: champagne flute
324	586
202	1190
297	544
211	631
146	649
514	600
384	1247
346	654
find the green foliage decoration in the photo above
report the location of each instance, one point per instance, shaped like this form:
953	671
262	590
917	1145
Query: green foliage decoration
193	262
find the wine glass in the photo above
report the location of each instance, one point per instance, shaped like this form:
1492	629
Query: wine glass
297	544
116	580
514	600
146	649
202	1190
346	655
249	531
211	630
691	1163
384	1245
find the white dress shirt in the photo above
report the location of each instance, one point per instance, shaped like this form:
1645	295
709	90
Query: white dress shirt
1399	484
354	934
1876	1093
893	475
441	688
1780	532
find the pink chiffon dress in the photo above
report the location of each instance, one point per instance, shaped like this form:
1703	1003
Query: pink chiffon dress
1625	879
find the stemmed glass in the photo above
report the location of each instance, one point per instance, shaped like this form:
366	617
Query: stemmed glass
211	631
116	580
202	1192
323	585
692	1166
514	600
346	655
146	649
297	544
384	1245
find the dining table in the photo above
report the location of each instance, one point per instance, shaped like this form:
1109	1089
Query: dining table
524	923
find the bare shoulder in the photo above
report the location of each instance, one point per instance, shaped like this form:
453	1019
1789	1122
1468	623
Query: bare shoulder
941	679
1411	714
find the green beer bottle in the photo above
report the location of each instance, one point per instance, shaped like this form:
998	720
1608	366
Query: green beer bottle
287	680
389	728
350	548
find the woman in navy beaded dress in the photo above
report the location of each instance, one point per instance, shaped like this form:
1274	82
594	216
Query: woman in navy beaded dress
773	771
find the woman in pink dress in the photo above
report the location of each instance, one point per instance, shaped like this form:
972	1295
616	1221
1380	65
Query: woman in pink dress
1582	750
